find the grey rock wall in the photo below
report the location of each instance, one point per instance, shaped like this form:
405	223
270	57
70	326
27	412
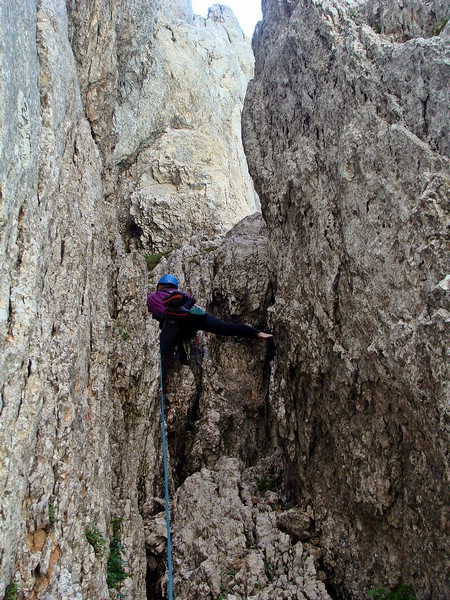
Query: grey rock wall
106	157
254	559
232	534
179	146
79	434
346	133
67	284
407	20
18	304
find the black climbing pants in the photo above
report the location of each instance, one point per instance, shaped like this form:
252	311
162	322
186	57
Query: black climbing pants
175	330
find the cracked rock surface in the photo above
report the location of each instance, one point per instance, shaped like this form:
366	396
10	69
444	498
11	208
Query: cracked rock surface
314	463
79	420
227	541
179	142
346	134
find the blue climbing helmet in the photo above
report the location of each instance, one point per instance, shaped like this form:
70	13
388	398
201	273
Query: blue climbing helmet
168	279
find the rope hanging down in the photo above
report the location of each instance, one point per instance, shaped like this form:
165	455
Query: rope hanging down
166	486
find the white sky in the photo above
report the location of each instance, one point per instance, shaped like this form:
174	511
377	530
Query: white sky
248	12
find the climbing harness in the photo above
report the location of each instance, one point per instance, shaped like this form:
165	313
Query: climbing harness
166	484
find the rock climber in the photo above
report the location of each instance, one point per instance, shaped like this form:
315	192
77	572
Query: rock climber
180	318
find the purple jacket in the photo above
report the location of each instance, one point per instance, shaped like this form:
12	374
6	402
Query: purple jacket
155	301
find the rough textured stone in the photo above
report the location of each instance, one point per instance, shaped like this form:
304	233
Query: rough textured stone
80	422
221	407
179	139
64	390
226	544
355	391
346	134
225	468
18	296
406	20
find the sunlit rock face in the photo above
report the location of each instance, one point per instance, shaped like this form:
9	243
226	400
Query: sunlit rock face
179	135
346	134
71	305
79	430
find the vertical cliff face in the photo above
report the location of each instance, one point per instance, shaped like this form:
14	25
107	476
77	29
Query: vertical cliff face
78	377
406	20
67	285
346	136
120	137
182	165
232	533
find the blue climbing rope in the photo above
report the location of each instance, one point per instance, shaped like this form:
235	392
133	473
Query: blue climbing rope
166	485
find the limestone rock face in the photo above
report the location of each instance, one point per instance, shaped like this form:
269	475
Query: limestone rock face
69	293
227	541
79	430
346	133
105	156
230	532
179	141
221	408
406	20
